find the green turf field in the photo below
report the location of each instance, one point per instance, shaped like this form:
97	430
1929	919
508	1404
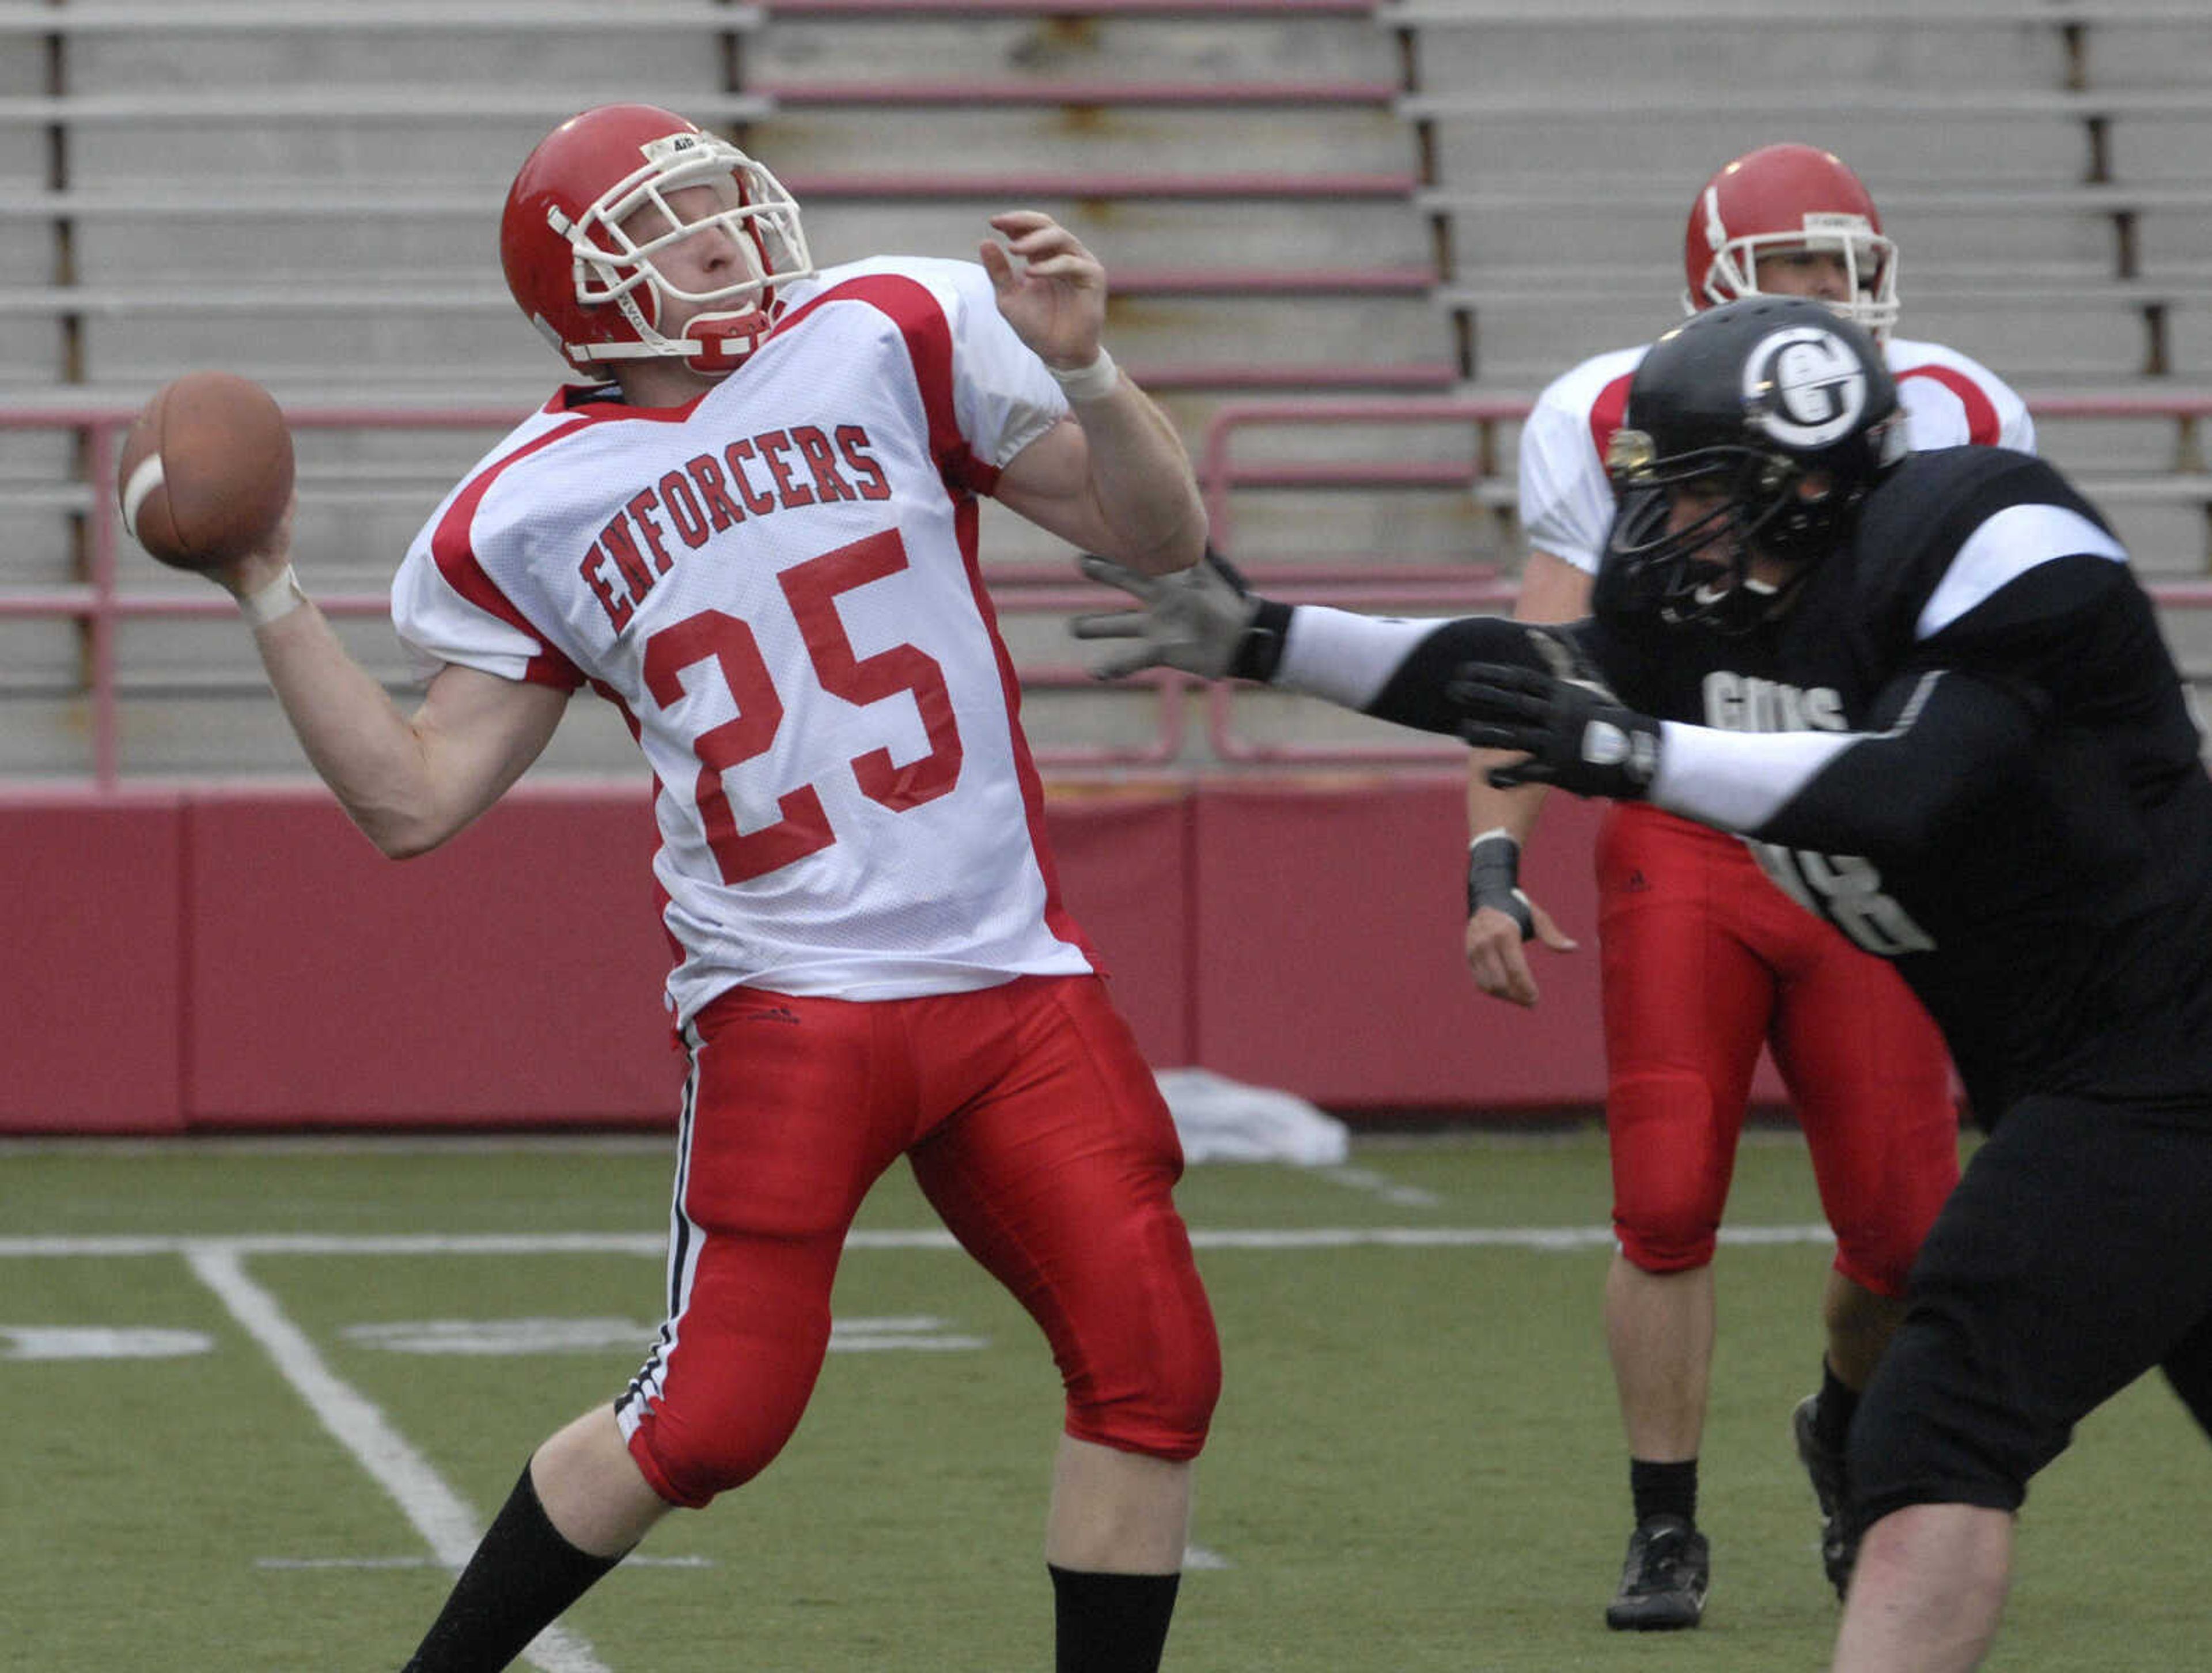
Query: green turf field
1415	1465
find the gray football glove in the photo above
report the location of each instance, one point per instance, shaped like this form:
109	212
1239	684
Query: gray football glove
1195	620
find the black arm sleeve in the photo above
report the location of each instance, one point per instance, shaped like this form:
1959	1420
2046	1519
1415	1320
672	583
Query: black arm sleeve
1416	693
1953	740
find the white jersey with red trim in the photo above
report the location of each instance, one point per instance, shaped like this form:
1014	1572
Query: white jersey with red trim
1567	504
778	584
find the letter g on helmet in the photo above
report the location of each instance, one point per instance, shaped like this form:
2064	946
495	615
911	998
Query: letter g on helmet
1788	411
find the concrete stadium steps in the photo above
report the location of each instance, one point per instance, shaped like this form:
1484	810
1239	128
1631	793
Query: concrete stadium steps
1976	224
1010	45
210	146
1698	49
2080	331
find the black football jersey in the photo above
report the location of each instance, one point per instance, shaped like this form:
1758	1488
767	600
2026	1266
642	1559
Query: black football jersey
2024	822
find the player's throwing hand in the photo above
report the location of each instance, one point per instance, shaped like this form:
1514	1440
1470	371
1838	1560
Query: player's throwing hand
1055	299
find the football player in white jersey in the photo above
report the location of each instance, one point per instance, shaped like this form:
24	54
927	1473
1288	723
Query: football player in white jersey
1703	957
755	533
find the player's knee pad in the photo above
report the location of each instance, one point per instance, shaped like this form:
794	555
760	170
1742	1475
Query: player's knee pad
1670	1169
1879	1259
691	1448
1168	1420
1152	1390
1882	1207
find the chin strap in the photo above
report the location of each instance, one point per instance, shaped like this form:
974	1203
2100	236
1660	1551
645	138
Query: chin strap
724	340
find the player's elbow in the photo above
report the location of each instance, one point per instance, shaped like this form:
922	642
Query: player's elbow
1886	818
400	833
404	845
1164	552
400	841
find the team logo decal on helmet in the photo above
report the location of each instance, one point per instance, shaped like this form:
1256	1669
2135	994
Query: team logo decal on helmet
1753	431
1804	387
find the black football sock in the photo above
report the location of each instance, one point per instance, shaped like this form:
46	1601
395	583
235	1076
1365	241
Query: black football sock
521	1576
1111	1624
1663	1489
1834	1411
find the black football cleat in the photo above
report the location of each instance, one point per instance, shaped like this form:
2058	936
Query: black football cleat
1664	1581
1839	1542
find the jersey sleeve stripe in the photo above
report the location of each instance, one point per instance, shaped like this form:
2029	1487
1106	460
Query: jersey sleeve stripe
1983	428
1607	412
454	552
921	320
2006	546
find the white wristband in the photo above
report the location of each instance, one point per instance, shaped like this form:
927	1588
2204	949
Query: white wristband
273	602
1094	382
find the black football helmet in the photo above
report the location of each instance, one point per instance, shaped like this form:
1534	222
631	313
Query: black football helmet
1788	413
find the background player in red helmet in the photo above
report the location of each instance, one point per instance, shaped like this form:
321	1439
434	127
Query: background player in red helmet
759	540
1705	960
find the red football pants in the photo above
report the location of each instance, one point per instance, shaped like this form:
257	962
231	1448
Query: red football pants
1037	1132
1702	959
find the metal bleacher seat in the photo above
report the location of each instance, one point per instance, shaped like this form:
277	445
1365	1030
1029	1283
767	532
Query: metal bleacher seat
2039	161
1241	169
1354	200
303	191
899	125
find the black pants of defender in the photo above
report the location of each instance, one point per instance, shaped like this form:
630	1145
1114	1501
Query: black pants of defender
2075	1256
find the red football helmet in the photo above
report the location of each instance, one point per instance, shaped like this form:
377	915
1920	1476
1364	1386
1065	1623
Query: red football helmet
1790	197
593	290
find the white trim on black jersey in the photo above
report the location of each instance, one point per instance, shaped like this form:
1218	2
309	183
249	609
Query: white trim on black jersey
2007	545
1738	780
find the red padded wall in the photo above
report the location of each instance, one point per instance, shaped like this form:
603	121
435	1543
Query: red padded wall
512	976
1124	864
90	945
1330	961
243	958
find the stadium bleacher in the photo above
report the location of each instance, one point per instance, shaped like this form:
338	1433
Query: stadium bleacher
1332	201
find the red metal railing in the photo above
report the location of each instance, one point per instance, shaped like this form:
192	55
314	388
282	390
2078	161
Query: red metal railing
1470	588
101	602
1426	587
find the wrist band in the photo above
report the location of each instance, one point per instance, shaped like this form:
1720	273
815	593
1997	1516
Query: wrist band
1493	877
273	602
1259	652
1094	382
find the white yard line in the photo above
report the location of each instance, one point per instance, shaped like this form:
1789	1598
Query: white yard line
1379	1184
653	1244
441	1516
446	1522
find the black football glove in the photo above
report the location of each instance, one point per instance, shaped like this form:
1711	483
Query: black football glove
1576	735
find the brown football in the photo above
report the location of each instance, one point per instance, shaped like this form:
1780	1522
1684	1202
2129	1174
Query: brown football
206	470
